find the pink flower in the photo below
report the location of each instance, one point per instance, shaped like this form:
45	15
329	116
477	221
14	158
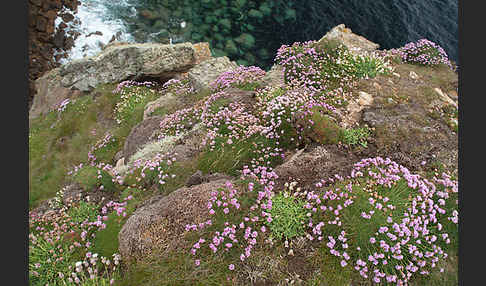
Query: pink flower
231	267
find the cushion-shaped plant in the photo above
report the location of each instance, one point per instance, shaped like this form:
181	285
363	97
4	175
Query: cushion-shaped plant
288	216
424	52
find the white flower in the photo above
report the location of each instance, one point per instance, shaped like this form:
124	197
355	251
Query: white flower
183	24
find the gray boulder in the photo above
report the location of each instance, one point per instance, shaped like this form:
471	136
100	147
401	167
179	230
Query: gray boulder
128	61
116	63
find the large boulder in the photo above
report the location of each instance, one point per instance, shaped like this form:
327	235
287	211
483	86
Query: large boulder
50	93
160	223
128	61
352	41
115	63
141	134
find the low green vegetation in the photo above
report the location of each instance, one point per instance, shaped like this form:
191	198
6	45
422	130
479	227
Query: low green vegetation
288	217
356	136
261	229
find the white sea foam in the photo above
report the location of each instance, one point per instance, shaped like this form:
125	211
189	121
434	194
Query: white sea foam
93	16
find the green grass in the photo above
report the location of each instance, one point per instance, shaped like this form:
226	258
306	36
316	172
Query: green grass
331	272
87	177
231	158
57	142
106	241
177	268
324	129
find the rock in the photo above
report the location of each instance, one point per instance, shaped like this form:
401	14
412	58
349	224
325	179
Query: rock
413	75
354	109
120	163
453	95
43	208
365	99
159	102
50	94
41	35
354	113
97	33
141	134
313	163
147	14
160	223
72	192
122	61
353	42
183	147
67	17
117	62
59	39
51	16
274	77
207	71
196	179
405	128
41	24
444	97
217	176
115	37
118	155
37	3
201	52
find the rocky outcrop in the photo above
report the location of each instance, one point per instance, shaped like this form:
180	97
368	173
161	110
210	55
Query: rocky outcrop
117	62
352	41
160	223
44	39
127	61
141	134
163	101
50	93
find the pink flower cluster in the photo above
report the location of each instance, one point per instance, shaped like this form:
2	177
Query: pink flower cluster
242	236
131	83
54	237
180	121
423	52
153	171
304	66
179	87
237	77
63	104
409	242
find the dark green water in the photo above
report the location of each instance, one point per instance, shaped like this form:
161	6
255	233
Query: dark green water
250	32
